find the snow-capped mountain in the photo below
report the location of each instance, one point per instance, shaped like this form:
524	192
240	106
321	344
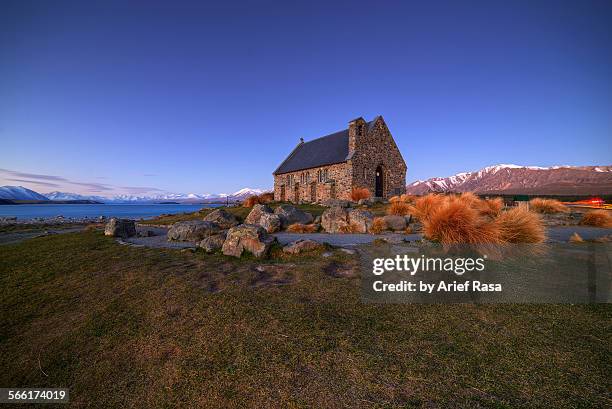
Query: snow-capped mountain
515	179
163	197
19	193
73	196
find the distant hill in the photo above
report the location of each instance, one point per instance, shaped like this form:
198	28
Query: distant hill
514	179
20	193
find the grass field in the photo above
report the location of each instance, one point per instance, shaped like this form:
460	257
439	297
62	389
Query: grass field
133	327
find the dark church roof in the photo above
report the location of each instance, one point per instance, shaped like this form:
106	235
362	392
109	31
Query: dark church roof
326	150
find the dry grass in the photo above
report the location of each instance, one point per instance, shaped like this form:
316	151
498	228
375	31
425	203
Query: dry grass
575	238
399	209
547	206
519	225
455	222
359	193
258	199
491	207
302	228
349	228
378	225
406	198
467	219
597	218
130	327
424	205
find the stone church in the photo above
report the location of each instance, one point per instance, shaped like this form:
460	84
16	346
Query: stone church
329	167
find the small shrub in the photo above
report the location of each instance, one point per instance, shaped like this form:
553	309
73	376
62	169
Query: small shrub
491	207
455	222
399	209
359	193
547	206
266	197
519	225
406	198
251	201
423	206
349	228
302	228
378	225
258	199
597	218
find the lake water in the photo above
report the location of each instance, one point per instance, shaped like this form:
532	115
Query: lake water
128	211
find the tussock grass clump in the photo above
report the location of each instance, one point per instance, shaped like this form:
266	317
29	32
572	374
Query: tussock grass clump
378	225
258	199
519	225
597	218
349	228
547	206
424	206
302	228
491	207
456	222
406	198
467	219
358	193
399	209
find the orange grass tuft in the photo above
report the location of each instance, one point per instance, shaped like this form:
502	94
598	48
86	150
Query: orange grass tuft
302	228
490	207
258	199
349	228
548	206
597	218
399	209
519	225
455	222
378	225
424	205
359	193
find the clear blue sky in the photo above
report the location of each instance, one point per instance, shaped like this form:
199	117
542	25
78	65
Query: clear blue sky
189	97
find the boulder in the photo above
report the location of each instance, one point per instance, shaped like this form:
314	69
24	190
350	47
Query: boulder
123	228
361	220
223	218
395	222
193	230
290	215
334	219
213	243
247	237
270	221
301	245
255	214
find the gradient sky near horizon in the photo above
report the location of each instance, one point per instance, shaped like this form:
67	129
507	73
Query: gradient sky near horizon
144	97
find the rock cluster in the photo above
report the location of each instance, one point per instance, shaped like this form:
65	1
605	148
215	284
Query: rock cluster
341	220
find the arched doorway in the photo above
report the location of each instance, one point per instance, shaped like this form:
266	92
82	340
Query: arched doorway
379	182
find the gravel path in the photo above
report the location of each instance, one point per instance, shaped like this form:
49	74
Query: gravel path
563	233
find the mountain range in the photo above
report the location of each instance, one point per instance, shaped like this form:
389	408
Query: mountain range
515	179
22	193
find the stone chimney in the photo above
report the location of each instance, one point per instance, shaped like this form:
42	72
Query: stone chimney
356	128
